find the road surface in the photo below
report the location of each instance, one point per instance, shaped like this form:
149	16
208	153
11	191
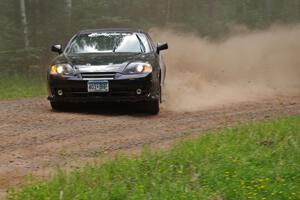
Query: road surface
35	139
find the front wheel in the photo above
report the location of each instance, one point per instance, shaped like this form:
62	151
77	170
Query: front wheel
57	106
152	107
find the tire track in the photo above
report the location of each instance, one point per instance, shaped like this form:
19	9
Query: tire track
34	138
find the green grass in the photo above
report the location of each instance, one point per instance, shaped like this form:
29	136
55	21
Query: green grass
21	86
256	161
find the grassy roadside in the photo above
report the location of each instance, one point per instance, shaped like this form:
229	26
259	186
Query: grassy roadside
21	86
257	161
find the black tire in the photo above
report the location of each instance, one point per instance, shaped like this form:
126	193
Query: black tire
152	107
160	94
57	106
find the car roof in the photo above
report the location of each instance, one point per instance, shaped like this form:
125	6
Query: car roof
121	30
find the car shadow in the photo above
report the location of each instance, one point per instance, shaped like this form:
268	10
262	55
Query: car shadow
108	109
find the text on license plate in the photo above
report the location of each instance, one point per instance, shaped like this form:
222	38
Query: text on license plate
98	86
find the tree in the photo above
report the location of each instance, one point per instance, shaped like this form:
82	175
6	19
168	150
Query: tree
297	6
268	5
24	23
68	9
168	11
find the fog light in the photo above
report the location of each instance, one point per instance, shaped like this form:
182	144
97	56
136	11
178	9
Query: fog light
138	91
60	92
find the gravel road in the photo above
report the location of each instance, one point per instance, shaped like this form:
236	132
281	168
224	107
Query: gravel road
35	139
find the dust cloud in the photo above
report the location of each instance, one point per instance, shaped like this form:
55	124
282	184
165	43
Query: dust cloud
245	66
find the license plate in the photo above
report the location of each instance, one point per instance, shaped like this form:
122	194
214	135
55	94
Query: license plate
98	86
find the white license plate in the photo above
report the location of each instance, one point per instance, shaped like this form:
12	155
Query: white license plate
98	86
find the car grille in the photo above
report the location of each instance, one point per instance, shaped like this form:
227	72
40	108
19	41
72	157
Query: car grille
98	76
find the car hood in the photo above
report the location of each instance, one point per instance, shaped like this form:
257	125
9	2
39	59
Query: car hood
113	62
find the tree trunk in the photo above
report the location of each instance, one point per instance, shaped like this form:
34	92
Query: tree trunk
68	21
24	23
268	4
244	9
297	6
211	9
168	14
68	9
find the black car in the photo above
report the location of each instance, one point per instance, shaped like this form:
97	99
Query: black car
108	65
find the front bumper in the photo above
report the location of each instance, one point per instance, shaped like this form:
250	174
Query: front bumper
121	89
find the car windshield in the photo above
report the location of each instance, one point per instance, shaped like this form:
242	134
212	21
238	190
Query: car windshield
109	43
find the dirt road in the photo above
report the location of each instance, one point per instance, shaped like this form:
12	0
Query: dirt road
34	139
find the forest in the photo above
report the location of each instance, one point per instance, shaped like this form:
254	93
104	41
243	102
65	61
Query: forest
29	27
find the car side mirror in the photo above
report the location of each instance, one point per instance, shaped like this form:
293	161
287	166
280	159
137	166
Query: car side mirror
161	47
57	48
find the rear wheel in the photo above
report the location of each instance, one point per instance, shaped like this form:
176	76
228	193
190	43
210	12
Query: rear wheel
57	106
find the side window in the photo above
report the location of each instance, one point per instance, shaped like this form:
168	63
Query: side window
152	44
145	42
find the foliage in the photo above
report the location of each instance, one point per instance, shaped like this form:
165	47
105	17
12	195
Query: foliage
48	21
258	161
16	85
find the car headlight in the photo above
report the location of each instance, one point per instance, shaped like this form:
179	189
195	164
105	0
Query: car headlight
138	68
61	69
